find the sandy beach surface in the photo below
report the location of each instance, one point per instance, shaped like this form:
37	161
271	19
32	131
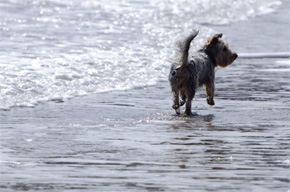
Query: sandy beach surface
132	140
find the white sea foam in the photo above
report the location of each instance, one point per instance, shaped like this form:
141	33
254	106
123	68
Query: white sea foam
54	50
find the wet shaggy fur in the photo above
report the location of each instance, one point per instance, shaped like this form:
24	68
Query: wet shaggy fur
186	75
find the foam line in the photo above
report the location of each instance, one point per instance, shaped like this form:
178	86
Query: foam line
264	55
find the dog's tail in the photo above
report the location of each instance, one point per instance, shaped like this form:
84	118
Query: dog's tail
183	48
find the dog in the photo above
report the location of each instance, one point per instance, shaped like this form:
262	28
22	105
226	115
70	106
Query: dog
186	75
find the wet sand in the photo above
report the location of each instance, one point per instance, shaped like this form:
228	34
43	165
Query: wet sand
132	140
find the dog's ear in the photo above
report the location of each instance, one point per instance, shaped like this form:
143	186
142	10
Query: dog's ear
214	40
219	35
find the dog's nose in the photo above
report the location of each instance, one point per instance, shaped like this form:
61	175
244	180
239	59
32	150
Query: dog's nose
236	55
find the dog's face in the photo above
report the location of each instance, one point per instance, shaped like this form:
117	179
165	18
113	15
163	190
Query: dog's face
220	51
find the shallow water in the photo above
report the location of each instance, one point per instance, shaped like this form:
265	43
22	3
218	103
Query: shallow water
132	141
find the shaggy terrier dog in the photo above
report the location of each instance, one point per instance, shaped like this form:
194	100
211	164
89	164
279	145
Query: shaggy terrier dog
186	75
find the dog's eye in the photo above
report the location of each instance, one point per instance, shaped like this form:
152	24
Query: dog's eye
225	49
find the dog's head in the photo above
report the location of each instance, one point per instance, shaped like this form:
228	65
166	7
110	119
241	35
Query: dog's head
219	50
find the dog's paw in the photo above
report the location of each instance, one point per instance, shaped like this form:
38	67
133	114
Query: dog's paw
190	114
175	106
210	101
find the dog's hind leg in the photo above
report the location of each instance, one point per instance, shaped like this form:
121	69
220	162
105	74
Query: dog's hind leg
176	103
190	96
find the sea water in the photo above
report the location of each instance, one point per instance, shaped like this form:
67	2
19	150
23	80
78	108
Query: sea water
54	50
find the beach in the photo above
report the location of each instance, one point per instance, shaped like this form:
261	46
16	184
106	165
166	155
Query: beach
132	140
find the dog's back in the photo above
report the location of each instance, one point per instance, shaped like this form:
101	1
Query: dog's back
201	68
194	74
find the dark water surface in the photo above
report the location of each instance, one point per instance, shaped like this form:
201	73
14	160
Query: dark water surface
132	141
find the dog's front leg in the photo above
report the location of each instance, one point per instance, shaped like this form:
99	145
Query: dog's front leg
210	93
